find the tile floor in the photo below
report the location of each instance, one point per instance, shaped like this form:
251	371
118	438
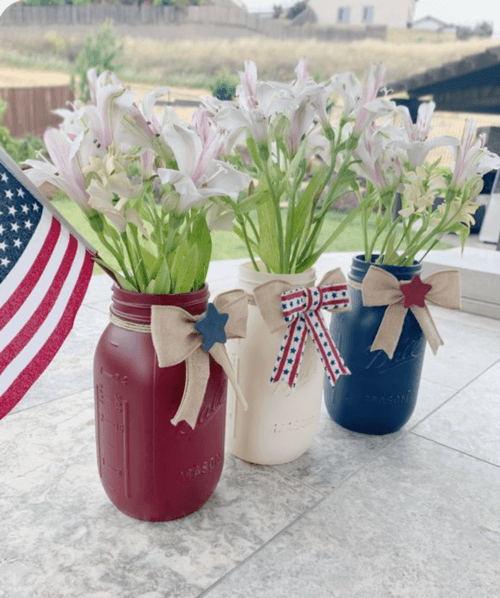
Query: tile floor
415	514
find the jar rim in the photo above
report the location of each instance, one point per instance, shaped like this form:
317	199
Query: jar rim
360	267
248	274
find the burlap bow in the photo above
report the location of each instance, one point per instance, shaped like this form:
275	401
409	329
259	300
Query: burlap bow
379	287
176	340
282	305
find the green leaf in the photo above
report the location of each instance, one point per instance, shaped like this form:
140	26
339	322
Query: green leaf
185	266
177	264
162	281
305	203
139	275
122	281
462	230
203	240
390	256
150	260
250	203
253	150
307	263
268	248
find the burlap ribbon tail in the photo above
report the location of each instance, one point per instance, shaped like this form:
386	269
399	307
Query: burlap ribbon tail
176	340
381	288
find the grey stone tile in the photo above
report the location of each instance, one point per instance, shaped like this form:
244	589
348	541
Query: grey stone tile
99	289
465	319
337	453
422	520
467	352
101	306
62	537
469	422
71	370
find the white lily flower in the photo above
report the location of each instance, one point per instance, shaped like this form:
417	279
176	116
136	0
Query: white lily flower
472	157
220	217
199	175
102	199
350	90
413	138
66	169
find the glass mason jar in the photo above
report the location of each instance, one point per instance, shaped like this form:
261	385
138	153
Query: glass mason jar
151	469
281	422
379	396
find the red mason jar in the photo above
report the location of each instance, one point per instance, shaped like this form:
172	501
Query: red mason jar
151	469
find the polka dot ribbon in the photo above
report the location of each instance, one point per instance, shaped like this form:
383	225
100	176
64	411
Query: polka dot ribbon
301	312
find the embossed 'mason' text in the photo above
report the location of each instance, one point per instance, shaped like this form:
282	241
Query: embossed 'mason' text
200	469
298	424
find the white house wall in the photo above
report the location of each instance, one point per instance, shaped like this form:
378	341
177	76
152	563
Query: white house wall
393	13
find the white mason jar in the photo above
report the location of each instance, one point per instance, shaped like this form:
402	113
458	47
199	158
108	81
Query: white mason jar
281	422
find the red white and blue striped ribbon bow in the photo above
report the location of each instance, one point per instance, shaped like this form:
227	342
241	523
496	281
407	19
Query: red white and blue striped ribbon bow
301	311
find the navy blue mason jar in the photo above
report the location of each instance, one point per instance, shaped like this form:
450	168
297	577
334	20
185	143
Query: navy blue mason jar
380	394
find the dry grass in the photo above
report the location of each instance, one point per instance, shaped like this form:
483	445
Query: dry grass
277	59
194	63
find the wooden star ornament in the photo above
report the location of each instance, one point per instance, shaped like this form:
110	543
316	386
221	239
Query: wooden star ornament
414	292
212	327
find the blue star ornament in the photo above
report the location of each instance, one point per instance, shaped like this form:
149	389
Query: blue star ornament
211	327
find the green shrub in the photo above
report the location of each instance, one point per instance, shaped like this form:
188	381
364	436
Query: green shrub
19	149
224	85
99	52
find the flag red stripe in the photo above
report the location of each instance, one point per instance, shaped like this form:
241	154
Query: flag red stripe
38	364
18	343
33	275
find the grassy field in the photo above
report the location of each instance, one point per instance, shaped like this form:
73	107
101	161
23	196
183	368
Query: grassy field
194	63
226	245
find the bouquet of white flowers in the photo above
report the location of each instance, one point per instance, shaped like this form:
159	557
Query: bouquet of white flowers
144	184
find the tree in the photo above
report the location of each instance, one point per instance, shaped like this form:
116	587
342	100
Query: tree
296	9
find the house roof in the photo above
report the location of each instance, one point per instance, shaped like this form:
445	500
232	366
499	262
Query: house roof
466	83
433	19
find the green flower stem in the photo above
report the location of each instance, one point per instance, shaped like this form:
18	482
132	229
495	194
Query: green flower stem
135	235
118	257
438	229
254	229
241	220
276	205
132	260
338	231
388	235
430	249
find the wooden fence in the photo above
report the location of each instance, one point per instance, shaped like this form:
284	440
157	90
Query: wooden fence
29	108
66	14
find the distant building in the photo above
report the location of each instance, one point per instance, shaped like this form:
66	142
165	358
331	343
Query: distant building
397	14
432	24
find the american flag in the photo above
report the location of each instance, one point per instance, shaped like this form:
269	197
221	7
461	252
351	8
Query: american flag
45	269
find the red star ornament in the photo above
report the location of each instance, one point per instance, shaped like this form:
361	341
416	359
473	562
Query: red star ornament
414	292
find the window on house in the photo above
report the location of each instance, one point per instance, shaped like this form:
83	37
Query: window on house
367	14
343	14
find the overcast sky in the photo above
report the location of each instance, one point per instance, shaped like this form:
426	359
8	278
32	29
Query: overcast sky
456	12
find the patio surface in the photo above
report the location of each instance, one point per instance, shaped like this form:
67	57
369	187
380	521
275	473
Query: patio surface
414	514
